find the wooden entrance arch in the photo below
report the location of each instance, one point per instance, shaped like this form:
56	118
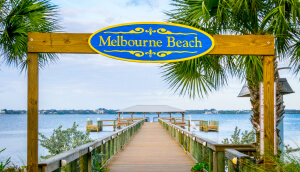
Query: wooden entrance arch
78	43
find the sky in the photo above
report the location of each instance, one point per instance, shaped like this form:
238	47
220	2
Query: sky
79	81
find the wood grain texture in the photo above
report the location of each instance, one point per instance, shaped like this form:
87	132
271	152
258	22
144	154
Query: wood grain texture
32	113
151	149
78	43
268	104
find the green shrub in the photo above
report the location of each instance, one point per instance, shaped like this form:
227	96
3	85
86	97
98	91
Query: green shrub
63	140
199	167
247	137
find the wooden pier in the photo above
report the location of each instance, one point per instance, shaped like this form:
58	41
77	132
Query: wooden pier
151	149
159	146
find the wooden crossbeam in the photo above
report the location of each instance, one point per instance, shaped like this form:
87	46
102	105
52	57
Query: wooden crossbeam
78	43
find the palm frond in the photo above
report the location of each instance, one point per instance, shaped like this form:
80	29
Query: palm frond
196	77
19	18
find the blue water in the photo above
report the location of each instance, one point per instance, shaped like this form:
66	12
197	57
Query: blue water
13	129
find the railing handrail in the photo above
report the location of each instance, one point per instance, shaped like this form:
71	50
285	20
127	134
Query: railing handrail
209	143
232	153
74	154
203	149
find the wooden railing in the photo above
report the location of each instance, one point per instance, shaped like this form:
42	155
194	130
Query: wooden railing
202	149
80	158
237	160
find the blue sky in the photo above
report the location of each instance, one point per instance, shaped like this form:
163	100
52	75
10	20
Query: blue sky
92	81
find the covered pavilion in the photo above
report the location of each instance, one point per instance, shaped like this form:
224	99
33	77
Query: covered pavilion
158	109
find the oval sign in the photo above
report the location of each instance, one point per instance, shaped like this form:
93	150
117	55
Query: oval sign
151	42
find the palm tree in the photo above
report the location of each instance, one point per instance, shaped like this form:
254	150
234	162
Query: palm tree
17	18
240	17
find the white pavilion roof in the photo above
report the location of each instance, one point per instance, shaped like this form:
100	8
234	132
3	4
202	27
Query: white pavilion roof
151	109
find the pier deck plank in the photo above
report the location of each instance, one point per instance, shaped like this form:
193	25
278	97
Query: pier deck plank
152	148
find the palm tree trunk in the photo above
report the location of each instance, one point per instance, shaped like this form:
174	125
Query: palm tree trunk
254	99
279	105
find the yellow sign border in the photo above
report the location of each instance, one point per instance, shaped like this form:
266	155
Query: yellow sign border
145	61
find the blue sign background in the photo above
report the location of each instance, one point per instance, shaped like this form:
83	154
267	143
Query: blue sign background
151	31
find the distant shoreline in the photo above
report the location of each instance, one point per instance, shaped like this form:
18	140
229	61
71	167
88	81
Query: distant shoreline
113	111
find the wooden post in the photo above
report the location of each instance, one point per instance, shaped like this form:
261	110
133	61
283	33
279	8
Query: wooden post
170	116
215	160
268	105
32	112
99	125
89	161
221	161
158	113
83	163
231	167
114	125
73	165
131	113
210	159
119	116
182	113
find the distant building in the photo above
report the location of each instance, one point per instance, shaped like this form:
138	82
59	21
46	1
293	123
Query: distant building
211	111
99	111
2	112
207	112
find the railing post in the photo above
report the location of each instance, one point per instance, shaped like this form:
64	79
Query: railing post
106	151
210	159
114	125
83	163
221	161
99	125
102	149
204	153
230	166
89	161
112	147
215	160
72	166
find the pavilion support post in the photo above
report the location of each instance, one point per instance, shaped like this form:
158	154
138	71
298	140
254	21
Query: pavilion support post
170	116
119	116
144	115
158	113
182	113
131	113
268	75
32	112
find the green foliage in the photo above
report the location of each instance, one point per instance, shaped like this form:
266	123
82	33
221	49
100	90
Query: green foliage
197	77
64	140
14	168
247	137
97	162
17	19
4	164
287	162
199	167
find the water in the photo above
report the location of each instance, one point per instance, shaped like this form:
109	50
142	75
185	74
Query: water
13	129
